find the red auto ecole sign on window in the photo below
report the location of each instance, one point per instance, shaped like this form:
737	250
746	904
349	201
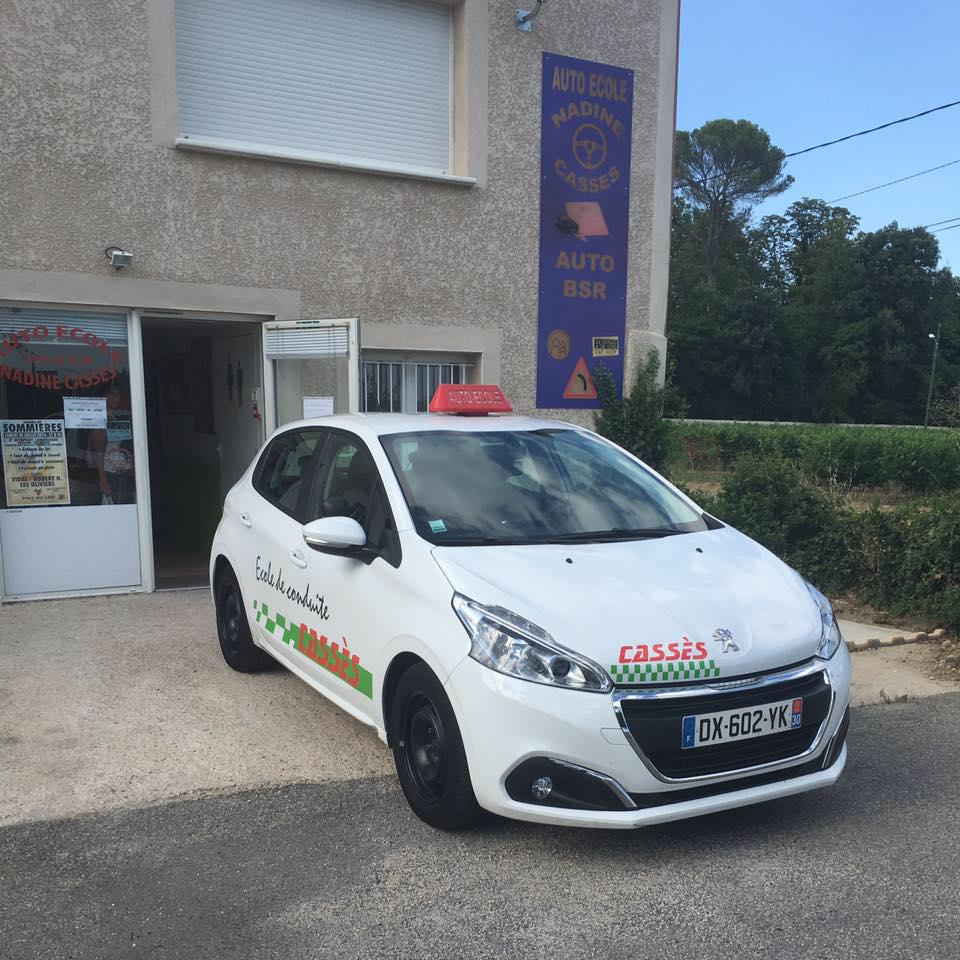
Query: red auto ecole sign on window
469	399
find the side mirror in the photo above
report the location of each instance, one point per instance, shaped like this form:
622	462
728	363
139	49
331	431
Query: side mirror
340	534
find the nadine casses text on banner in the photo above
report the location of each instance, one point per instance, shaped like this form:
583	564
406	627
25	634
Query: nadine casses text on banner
587	109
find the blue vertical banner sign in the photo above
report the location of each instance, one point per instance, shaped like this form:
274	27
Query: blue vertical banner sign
586	124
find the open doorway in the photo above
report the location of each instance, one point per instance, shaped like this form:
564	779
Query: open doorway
204	403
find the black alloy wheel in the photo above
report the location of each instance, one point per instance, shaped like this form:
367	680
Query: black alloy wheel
233	631
425	748
429	754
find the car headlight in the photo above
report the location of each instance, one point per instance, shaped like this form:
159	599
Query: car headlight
830	638
509	644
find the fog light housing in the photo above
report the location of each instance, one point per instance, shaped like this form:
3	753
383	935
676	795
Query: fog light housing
542	788
547	782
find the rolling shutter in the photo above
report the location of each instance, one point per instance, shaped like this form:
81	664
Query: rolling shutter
349	80
292	343
111	327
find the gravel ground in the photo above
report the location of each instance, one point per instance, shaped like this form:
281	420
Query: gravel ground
112	702
126	700
867	869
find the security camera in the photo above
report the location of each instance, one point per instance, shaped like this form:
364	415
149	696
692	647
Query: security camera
118	258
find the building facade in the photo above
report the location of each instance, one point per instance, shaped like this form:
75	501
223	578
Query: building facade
223	215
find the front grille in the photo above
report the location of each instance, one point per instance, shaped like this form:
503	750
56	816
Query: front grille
655	725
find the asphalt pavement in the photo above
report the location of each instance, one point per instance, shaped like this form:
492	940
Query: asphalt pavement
342	869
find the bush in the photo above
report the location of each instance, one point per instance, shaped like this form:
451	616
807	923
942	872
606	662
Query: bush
636	422
906	560
919	460
769	500
911	559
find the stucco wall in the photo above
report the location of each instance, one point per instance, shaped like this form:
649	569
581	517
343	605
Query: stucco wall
80	170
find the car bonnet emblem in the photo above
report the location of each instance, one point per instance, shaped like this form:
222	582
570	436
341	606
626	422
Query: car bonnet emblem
724	636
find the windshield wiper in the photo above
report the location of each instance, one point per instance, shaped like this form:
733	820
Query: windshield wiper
616	533
471	542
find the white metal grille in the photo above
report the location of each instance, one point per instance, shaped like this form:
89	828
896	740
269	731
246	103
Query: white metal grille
350	80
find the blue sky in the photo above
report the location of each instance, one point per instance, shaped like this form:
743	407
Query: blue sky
813	70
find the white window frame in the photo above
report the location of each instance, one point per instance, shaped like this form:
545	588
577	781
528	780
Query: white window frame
455	126
469	103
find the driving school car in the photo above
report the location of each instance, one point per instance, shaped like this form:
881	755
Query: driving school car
535	622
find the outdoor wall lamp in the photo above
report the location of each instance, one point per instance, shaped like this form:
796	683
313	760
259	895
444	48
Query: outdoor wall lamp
525	18
118	257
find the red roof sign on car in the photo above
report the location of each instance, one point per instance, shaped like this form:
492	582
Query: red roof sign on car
469	399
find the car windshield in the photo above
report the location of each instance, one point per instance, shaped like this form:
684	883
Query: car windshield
538	486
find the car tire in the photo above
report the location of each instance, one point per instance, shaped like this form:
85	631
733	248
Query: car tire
428	752
233	631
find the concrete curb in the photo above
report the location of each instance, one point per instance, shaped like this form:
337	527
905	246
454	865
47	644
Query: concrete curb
874	643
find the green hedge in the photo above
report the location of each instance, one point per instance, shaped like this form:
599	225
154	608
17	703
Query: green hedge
919	460
905	560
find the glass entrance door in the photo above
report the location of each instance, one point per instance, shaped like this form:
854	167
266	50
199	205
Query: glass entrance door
68	504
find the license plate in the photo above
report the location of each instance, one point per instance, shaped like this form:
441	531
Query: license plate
745	723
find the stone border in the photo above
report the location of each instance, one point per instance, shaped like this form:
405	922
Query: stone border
874	643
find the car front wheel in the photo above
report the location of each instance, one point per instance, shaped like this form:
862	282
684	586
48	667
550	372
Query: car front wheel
428	752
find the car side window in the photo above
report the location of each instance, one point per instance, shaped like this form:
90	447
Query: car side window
345	483
348	485
284	468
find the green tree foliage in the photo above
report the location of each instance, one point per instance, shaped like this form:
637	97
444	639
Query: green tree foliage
719	167
635	422
800	316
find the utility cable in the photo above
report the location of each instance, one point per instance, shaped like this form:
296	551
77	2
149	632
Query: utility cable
890	183
936	223
830	143
882	126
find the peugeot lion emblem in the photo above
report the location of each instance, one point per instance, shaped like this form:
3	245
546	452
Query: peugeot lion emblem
724	636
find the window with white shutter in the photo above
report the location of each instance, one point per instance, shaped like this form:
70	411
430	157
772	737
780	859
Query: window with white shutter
348	82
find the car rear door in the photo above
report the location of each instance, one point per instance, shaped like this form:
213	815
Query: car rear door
274	561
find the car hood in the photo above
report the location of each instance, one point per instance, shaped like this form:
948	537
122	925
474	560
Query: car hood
680	608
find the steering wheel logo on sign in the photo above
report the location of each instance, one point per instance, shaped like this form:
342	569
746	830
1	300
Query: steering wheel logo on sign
590	146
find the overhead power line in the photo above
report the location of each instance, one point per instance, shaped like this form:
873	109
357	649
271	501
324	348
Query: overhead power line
882	126
954	227
890	183
936	223
849	136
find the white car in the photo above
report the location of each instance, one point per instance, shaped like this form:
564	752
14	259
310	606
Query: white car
534	621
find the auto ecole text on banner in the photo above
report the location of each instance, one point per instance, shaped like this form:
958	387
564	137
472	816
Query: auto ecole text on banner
586	122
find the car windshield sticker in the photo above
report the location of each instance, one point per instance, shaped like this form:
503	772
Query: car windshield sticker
334	657
438	526
663	672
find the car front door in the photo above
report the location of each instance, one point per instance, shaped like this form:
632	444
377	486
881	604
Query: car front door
342	646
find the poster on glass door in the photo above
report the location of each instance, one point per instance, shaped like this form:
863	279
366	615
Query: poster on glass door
35	462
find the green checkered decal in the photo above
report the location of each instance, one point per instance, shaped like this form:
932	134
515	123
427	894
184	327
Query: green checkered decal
663	672
298	635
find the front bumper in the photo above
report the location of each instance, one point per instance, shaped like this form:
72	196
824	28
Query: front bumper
505	722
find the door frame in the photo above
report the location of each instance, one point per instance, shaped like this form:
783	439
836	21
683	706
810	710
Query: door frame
354	362
138	401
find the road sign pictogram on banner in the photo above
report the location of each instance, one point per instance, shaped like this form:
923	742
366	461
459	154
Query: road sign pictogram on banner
580	385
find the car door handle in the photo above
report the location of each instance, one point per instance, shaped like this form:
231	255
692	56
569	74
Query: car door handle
298	558
245	520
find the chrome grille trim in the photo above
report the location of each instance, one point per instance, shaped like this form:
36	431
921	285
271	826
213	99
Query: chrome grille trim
810	668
